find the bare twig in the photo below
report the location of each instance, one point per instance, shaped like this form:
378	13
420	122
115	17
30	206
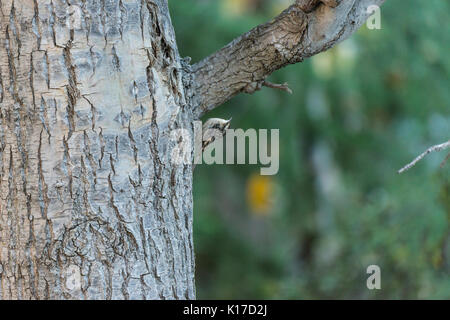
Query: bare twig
283	87
445	160
435	148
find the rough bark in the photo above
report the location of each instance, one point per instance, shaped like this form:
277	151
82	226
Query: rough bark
86	110
90	92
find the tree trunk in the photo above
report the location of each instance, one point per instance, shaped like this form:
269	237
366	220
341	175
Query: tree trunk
91	206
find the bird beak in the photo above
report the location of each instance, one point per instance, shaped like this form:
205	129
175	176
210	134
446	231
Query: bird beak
227	124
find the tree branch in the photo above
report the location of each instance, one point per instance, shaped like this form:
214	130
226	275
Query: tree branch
435	148
283	87
304	29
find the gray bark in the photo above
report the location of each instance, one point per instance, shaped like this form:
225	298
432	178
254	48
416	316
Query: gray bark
87	108
91	205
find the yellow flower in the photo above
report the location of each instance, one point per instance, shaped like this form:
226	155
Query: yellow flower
260	194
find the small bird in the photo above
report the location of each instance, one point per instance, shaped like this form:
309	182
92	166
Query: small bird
211	128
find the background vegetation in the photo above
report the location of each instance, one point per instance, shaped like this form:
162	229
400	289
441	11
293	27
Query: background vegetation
358	113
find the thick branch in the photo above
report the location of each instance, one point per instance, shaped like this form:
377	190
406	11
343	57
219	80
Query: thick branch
301	31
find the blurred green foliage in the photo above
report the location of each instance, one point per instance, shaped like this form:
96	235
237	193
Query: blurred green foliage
358	113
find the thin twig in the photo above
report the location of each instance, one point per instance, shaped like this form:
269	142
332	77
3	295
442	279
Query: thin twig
445	160
435	148
284	86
